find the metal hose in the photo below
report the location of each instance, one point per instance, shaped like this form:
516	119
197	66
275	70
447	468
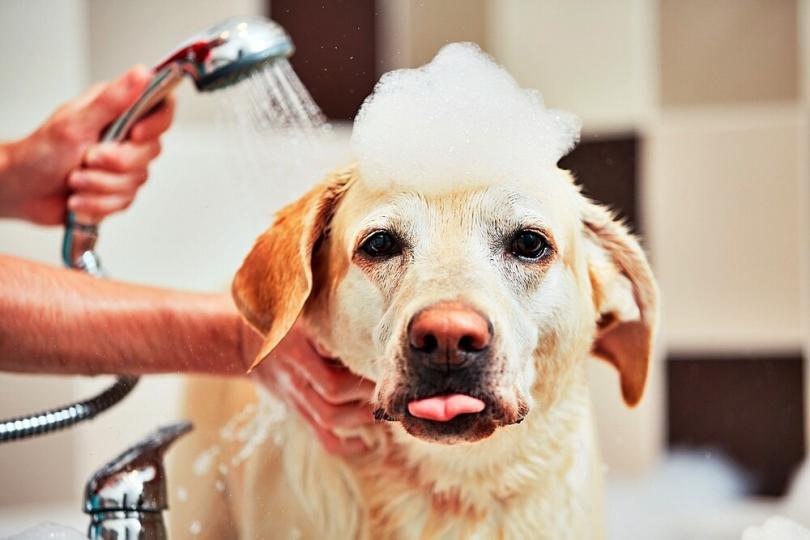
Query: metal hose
51	420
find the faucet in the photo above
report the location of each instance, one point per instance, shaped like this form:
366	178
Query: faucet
126	497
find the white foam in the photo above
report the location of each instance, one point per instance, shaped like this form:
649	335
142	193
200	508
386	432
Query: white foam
777	528
461	118
49	531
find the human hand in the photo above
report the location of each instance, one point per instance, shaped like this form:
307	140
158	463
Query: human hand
62	165
321	389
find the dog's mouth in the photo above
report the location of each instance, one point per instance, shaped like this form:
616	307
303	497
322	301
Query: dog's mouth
449	417
444	408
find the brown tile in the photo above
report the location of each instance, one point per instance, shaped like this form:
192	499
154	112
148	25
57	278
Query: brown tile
749	407
334	50
606	167
722	51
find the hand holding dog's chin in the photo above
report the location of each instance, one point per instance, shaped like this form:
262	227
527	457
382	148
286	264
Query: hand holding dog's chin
327	395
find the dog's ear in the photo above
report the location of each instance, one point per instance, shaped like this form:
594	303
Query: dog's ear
275	280
625	296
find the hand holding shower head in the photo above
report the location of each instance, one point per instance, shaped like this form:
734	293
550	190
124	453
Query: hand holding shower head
218	57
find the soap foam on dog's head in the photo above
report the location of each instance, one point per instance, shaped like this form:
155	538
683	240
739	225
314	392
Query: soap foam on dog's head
459	119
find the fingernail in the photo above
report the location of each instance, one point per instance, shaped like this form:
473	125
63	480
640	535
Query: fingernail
93	155
73	202
137	75
76	179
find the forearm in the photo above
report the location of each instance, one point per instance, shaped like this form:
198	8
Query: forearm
54	320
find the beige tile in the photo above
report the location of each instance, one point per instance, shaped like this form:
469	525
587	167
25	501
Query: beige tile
722	203
410	33
592	58
728	51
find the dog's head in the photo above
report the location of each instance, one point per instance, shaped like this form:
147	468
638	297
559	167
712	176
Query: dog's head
468	307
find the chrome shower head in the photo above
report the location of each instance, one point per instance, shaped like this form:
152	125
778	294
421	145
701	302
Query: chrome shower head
218	57
230	51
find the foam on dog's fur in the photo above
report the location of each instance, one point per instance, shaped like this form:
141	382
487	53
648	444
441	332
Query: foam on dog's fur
461	118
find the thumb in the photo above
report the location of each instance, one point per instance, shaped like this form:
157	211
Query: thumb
105	102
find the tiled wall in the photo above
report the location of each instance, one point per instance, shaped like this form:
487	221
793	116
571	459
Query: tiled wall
727	171
729	51
713	92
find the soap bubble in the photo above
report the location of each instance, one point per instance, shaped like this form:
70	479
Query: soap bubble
461	118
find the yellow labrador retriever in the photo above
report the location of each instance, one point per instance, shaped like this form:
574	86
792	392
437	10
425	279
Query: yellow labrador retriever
465	274
474	309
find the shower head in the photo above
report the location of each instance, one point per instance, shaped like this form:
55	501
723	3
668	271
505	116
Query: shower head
230	51
218	57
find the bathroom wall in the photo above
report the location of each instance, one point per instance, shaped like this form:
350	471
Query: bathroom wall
595	58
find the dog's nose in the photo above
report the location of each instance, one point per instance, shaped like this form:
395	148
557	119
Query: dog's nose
449	335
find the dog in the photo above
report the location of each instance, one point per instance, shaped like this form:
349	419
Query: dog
474	309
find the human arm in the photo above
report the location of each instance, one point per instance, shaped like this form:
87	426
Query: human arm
54	320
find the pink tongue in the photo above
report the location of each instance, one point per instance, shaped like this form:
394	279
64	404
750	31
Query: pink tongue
445	408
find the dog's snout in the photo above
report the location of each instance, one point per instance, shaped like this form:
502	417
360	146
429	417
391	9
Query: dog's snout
449	335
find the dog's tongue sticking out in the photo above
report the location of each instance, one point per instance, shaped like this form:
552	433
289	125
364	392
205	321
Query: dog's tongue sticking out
445	408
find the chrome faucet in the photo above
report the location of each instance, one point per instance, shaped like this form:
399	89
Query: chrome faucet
126	497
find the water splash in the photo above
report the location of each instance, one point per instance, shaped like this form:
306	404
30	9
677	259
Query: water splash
273	98
273	133
242	435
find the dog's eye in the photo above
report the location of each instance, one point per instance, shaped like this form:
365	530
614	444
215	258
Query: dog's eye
529	245
380	244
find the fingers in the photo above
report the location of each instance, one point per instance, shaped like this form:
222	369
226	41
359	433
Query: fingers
96	207
335	385
327	396
112	176
325	414
333	444
155	123
122	157
286	384
102	182
105	102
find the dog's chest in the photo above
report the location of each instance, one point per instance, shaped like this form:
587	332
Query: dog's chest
312	495
541	496
402	513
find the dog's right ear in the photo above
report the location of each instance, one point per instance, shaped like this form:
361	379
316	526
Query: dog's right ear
275	280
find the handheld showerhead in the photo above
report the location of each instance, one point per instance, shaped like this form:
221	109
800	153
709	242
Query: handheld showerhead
228	52
216	58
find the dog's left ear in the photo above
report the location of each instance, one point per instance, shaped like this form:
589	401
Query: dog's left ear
625	296
275	280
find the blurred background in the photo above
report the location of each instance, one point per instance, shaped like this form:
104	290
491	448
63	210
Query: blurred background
695	118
